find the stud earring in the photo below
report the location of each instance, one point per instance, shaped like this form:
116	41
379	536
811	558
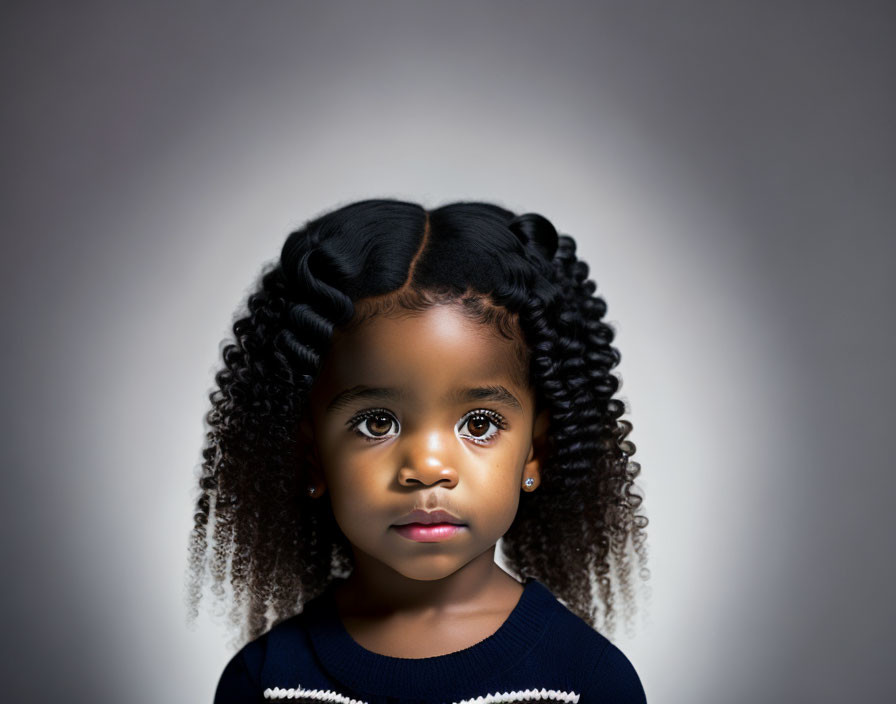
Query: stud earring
530	482
311	490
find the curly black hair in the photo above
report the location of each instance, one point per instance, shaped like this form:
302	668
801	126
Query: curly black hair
276	549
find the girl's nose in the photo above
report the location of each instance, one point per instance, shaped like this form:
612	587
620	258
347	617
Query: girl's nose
427	461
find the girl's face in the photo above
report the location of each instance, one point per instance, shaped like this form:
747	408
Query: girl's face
425	411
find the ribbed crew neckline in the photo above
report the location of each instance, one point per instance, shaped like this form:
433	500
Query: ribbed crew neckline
373	673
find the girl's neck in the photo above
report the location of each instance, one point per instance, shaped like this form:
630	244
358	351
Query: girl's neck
374	590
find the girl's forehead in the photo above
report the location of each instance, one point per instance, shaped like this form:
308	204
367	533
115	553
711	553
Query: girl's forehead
437	346
440	322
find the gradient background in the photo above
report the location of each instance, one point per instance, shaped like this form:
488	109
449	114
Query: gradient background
727	168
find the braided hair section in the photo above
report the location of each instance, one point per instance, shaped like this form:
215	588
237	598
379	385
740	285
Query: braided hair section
573	534
255	531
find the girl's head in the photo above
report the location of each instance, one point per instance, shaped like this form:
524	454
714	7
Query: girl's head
397	359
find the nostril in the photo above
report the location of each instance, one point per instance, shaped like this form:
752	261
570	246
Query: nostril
427	477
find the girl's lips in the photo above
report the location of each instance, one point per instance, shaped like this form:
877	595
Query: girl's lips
432	533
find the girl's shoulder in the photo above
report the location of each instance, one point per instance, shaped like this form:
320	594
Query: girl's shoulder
273	656
597	667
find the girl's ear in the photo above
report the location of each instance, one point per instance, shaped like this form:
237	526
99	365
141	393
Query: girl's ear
537	451
315	483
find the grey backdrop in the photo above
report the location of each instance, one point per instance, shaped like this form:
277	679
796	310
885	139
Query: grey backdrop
728	169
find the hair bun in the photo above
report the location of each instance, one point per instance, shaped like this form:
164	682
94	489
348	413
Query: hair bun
534	229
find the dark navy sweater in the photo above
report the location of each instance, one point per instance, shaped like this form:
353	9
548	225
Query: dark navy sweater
541	652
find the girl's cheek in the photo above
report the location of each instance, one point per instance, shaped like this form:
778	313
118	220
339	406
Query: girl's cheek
348	474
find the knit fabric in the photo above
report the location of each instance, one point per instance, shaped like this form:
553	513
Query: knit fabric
542	652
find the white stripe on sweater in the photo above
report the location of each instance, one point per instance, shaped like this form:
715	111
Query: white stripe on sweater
323	695
328	695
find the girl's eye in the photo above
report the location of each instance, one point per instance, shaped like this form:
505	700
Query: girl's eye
481	426
374	425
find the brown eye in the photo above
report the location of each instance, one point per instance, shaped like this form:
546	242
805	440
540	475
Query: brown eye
379	425
481	427
478	426
374	425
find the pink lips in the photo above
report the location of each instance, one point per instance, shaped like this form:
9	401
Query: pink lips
433	533
428	526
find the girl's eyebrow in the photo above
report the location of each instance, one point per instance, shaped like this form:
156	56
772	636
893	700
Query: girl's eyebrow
349	396
495	394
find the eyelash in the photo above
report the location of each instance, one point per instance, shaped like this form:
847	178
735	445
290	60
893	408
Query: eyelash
496	418
355	421
493	416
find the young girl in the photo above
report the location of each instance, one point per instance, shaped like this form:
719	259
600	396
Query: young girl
407	388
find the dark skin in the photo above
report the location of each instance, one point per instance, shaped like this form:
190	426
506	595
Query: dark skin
443	420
